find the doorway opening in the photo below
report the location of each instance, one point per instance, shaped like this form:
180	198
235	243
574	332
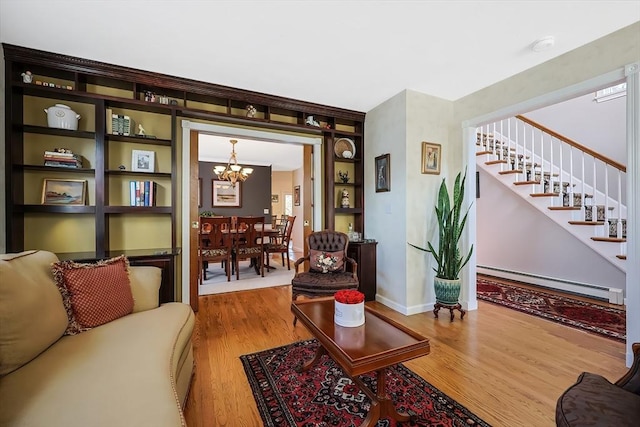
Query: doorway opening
190	222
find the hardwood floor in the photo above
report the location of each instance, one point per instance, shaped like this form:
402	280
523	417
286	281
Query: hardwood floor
507	367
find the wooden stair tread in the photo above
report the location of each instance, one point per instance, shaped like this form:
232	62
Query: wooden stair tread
509	172
495	162
586	223
544	194
526	182
608	239
564	208
621	256
480	153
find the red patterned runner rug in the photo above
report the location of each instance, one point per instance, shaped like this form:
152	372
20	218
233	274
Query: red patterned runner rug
325	396
606	321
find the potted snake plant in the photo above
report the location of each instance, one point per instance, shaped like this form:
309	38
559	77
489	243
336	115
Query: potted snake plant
448	258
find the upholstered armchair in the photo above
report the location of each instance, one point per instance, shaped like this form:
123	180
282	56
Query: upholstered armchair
328	271
594	401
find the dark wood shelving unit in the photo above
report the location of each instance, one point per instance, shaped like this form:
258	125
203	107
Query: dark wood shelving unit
100	87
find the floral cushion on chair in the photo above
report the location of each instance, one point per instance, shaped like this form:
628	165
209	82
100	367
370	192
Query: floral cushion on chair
325	262
214	252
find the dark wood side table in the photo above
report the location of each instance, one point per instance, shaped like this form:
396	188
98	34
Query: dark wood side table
364	253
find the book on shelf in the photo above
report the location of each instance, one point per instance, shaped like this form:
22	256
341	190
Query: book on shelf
122	125
142	193
68	160
109	120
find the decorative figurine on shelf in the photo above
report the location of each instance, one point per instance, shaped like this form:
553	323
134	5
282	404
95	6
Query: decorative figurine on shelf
27	77
122	167
344	176
344	203
311	122
141	131
251	111
62	150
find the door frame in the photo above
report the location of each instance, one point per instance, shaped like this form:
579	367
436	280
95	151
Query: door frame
189	206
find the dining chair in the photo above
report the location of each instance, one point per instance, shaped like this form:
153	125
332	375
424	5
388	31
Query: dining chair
280	244
214	244
249	242
328	271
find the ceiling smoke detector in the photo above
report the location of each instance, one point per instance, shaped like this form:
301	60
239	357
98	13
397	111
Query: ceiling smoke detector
543	44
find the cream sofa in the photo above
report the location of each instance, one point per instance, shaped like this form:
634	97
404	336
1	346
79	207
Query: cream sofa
133	371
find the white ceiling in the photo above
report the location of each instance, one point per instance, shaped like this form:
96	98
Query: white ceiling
348	54
280	156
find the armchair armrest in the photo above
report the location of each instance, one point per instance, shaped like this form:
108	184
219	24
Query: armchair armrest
300	261
145	287
631	380
354	266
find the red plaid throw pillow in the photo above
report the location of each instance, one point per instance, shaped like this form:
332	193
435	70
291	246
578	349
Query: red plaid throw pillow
94	294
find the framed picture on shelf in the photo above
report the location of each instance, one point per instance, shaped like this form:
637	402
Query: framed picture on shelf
383	175
64	192
296	195
431	158
224	194
143	161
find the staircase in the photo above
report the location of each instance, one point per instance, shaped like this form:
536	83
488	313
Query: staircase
581	190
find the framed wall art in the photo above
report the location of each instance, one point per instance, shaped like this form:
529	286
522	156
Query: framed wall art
431	158
296	195
224	194
64	192
143	161
383	174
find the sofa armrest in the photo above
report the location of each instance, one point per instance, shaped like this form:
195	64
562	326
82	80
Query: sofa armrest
631	380
145	287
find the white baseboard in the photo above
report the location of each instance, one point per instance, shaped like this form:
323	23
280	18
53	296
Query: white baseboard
612	295
407	311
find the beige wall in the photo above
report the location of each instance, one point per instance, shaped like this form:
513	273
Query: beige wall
281	184
432	119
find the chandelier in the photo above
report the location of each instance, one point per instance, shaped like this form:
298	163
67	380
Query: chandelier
233	172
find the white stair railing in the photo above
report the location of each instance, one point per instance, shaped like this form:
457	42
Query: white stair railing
572	176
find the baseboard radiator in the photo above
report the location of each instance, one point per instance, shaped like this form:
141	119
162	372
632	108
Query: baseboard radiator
611	295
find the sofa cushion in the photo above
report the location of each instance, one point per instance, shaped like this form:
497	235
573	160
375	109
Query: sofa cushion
95	293
145	287
32	316
122	373
594	401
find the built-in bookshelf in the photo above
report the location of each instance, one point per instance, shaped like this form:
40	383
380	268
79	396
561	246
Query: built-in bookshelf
122	112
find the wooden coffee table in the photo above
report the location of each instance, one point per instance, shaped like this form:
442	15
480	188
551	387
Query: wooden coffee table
374	346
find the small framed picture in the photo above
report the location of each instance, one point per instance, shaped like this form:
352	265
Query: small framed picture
275	198
296	195
143	161
64	192
383	175
431	158
224	194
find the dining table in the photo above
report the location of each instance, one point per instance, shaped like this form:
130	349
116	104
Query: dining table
269	232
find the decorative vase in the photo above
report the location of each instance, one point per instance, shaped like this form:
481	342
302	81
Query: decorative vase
447	291
349	315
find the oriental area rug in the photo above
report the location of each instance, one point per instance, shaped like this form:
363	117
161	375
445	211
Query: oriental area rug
590	317
325	396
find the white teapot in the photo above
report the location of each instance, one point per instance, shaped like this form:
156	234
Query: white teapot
347	154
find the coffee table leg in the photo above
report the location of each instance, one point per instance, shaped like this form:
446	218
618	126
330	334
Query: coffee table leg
319	353
381	405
